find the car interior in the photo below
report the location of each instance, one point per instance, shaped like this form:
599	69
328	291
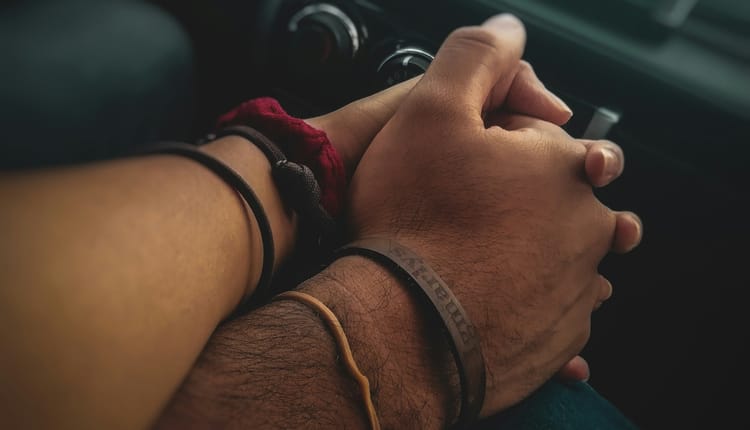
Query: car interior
668	80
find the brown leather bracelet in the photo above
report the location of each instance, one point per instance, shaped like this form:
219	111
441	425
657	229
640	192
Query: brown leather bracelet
462	335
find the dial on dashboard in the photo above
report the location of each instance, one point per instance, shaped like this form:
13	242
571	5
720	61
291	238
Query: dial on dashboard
321	36
403	64
328	41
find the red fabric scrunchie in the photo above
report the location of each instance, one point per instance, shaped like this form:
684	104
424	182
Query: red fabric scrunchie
300	142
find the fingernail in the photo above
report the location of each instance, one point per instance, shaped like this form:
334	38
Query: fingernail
504	20
638	226
638	232
560	103
611	164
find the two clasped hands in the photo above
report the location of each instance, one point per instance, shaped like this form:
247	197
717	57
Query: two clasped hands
469	167
119	276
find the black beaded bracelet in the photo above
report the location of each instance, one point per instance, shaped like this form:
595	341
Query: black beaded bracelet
234	180
462	336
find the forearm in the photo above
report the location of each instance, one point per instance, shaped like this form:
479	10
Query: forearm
278	367
114	275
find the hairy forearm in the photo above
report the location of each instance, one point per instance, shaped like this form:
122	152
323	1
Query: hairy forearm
278	367
112	277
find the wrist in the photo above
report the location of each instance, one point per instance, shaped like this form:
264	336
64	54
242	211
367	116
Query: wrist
394	340
339	139
277	365
250	163
300	142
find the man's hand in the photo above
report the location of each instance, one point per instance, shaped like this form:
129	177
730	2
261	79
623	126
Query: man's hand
503	213
353	127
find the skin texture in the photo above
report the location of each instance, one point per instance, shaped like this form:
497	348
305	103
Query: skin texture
113	277
252	374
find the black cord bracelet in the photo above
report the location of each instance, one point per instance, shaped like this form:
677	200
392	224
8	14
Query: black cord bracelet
297	185
234	180
462	336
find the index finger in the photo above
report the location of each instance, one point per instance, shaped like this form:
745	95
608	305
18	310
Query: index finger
478	63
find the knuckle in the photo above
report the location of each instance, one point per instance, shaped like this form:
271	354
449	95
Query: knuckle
521	123
545	128
437	101
525	66
428	100
476	38
607	226
600	227
533	136
583	337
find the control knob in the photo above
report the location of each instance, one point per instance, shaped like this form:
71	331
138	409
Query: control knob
404	64
321	36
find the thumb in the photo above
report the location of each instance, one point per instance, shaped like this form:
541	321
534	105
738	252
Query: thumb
351	128
477	64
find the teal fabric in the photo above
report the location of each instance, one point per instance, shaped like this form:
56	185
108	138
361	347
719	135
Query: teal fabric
561	406
83	80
